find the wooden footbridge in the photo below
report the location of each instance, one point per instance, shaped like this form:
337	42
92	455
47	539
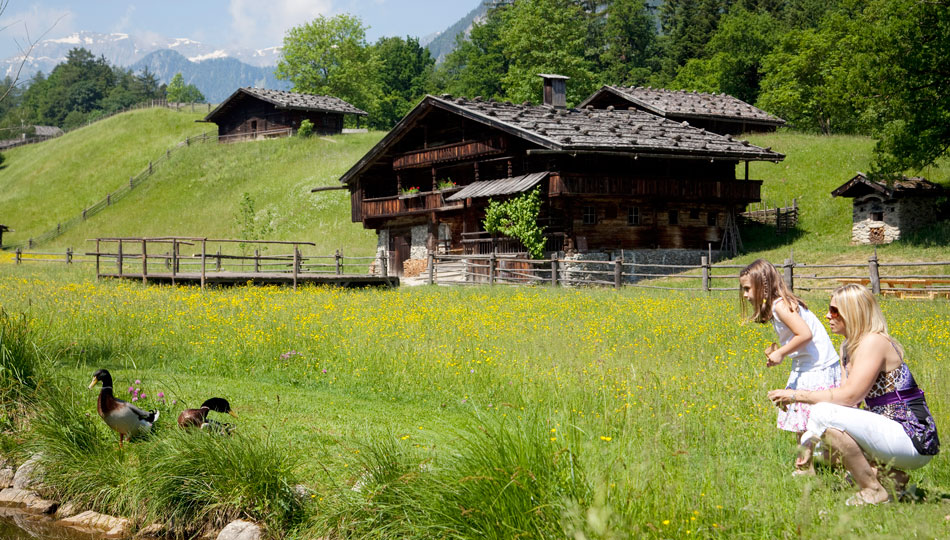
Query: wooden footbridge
202	261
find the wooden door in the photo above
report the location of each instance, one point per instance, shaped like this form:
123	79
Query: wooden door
399	249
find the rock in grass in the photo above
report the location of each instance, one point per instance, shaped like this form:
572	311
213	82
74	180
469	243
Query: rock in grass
113	527
24	498
66	510
155	530
6	477
240	530
29	475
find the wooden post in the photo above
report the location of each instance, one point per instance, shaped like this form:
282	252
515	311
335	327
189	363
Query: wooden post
554	271
218	264
144	264
789	273
339	263
618	273
430	265
491	268
119	259
174	259
69	255
130	182
257	261
874	270
384	264
296	261
84	214
204	250
108	199
97	259
19	258
704	261
150	167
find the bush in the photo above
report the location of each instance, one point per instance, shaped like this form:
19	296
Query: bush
306	129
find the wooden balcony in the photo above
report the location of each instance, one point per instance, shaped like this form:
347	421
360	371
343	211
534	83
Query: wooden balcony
450	152
672	188
403	205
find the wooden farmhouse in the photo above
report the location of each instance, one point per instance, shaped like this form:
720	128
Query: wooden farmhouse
252	113
882	211
719	113
610	180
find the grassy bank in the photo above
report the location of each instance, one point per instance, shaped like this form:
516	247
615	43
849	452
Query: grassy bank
481	412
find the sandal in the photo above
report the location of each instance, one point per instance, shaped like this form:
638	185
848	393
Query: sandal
858	500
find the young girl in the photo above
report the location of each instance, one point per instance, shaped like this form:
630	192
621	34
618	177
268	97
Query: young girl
802	338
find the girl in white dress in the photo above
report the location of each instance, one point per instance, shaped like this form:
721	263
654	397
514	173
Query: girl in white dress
802	338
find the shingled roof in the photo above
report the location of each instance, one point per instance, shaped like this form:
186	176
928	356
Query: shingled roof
573	130
683	104
861	185
290	100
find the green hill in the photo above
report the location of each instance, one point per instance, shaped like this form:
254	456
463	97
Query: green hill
199	190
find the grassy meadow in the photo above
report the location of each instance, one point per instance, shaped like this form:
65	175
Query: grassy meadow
450	412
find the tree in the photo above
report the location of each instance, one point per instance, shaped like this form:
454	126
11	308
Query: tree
734	56
545	36
330	56
900	58
405	70
630	43
477	64
687	26
179	92
518	218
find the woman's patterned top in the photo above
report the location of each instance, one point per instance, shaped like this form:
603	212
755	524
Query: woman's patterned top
912	414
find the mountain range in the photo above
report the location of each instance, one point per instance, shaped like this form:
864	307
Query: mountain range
217	72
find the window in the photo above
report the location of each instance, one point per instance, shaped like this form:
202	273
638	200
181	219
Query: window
590	215
694	214
253	125
712	219
877	216
633	215
673	217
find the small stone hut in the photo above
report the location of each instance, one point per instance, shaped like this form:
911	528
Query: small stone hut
883	211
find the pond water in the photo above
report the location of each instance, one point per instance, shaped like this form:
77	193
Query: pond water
17	525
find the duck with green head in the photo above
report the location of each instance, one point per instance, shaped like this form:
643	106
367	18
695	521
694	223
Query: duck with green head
123	417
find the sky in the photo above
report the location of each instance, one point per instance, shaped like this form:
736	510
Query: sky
220	23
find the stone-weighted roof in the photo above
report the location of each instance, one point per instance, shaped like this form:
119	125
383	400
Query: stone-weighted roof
608	129
289	100
915	186
631	132
683	104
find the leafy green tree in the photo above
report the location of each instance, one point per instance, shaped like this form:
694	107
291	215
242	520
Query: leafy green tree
806	78
735	54
329	55
477	64
899	53
630	49
518	218
546	36
179	92
405	71
687	26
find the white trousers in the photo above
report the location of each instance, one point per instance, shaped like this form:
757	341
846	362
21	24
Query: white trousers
881	438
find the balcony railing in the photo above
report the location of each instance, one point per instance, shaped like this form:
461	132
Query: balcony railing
691	189
409	204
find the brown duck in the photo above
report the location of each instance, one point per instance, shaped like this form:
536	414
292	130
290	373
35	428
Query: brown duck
123	417
199	417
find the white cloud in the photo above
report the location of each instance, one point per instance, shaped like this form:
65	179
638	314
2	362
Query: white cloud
32	24
257	23
124	22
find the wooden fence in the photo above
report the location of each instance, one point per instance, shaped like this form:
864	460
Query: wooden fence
114	196
782	218
881	277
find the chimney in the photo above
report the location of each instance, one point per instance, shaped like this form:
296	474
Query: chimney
555	90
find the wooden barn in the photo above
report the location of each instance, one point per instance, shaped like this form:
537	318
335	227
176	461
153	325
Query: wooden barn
882	211
610	180
719	113
252	113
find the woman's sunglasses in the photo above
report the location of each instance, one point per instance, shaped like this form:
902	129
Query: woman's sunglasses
833	311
